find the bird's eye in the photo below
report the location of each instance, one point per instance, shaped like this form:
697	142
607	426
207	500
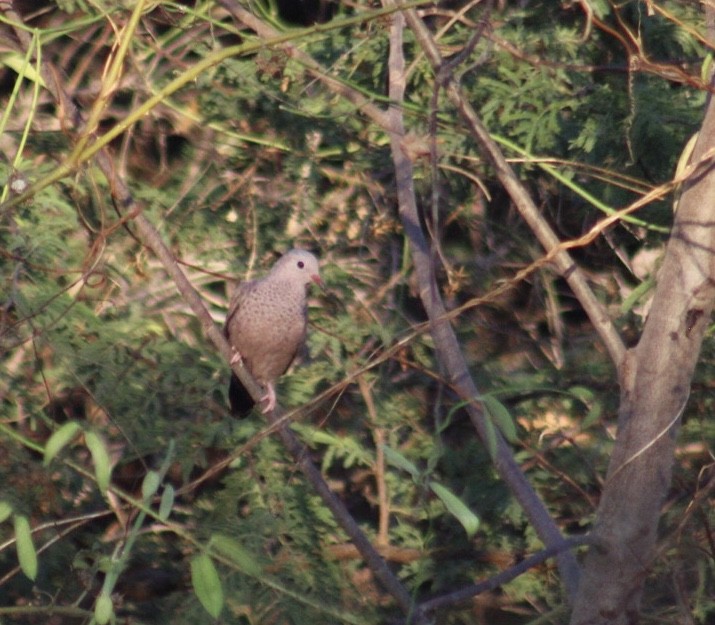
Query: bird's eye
301	264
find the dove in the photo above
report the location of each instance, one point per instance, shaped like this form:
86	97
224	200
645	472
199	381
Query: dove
266	325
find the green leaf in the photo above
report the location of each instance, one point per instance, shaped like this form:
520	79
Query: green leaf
323	438
26	553
588	398
582	393
103	609
167	502
100	457
5	510
456	507
16	62
396	459
235	552
150	485
501	416
706	67
207	585
593	415
492	437
60	439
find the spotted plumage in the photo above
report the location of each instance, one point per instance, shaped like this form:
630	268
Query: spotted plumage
266	325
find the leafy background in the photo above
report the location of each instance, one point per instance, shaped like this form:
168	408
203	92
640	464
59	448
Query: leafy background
253	157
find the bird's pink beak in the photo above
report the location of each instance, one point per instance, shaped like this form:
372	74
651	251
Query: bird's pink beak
318	280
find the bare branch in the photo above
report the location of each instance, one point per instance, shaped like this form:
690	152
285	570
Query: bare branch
446	343
468	592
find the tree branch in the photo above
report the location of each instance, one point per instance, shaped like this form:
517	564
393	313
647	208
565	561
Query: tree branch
468	592
522	200
124	201
448	349
655	388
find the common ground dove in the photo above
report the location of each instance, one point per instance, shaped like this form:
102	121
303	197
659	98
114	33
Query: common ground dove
266	325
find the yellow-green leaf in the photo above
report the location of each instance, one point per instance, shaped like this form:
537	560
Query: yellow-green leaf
207	585
16	62
167	502
26	554
396	459
5	510
501	416
150	485
100	457
59	439
235	552
456	507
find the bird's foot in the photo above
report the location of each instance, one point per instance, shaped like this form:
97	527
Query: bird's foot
269	398
236	357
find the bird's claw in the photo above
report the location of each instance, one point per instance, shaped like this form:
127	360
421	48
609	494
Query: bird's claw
270	399
236	357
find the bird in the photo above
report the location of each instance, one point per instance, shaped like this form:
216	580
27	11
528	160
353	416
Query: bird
266	325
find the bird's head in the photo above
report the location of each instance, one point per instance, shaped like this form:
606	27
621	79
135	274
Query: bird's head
298	266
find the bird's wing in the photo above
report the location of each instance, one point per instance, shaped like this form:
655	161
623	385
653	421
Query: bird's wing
239	294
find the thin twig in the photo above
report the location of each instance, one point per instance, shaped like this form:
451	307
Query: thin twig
383	503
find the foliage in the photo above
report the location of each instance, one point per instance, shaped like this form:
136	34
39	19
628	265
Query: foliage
250	157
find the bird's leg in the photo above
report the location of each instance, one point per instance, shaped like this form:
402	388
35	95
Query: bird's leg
269	398
236	357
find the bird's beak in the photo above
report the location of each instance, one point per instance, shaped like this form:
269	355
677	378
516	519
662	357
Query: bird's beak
318	280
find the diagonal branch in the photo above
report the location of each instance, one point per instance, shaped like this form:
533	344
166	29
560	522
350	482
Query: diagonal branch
124	201
522	200
469	592
448	349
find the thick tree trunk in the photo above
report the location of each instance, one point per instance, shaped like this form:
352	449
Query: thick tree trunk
654	390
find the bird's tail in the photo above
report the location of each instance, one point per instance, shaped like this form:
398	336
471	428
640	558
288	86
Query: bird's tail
239	398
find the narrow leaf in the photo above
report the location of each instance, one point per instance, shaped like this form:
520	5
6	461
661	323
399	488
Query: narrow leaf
637	294
207	585
59	439
582	393
457	508
167	502
150	485
706	67
588	398
396	459
100	457
26	554
593	415
5	510
19	65
502	417
235	552
491	433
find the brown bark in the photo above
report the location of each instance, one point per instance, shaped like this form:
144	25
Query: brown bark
655	385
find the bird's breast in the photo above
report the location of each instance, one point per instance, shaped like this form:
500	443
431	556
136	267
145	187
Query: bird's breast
267	330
